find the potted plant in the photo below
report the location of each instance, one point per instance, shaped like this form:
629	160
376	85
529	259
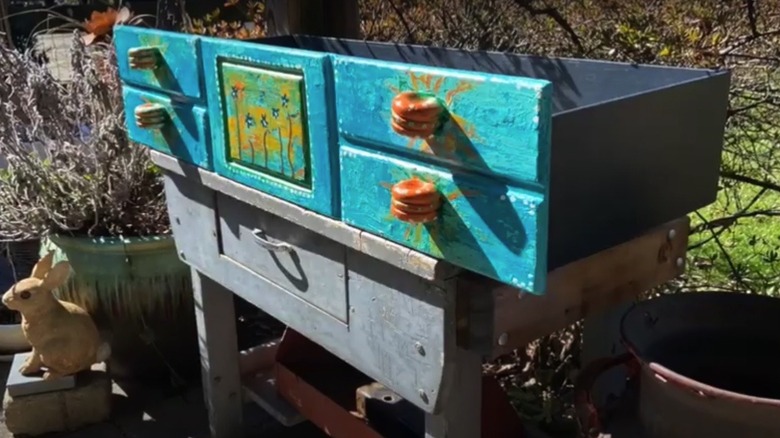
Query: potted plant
94	197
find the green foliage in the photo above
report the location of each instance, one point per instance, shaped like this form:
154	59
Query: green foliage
239	19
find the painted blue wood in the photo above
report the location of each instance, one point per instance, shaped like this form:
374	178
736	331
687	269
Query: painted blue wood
496	124
185	134
483	225
178	70
307	69
274	115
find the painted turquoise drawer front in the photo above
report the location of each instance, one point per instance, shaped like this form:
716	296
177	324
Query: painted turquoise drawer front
492	123
271	119
480	224
173	128
164	61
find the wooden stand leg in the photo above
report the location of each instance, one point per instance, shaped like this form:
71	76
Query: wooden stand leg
215	314
461	416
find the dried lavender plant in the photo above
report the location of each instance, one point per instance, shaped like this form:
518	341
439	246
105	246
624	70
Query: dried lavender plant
71	167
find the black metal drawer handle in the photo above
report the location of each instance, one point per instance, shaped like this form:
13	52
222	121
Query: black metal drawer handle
270	246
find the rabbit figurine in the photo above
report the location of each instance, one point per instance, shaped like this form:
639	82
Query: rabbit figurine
63	336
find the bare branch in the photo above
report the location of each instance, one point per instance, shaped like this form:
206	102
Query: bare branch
752	181
752	16
556	16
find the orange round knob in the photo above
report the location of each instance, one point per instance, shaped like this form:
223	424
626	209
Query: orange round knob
416	114
415	201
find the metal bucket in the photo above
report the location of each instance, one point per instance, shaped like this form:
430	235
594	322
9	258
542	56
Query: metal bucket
708	365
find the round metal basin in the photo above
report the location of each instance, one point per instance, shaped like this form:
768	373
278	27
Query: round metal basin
709	364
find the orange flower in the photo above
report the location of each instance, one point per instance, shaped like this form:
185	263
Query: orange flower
101	23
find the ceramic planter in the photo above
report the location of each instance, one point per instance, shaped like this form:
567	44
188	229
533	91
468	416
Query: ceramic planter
139	293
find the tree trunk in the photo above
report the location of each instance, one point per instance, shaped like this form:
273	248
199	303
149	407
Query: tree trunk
170	14
334	18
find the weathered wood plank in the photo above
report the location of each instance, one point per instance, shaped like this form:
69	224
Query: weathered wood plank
219	356
462	403
302	262
586	287
394	254
399	326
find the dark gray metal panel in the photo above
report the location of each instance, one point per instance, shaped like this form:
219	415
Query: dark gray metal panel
576	82
312	268
402	328
622	168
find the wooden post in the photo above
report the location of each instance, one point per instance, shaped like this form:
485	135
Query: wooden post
170	14
5	22
334	18
215	318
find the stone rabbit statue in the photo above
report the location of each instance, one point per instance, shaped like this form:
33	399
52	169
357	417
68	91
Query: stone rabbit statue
64	338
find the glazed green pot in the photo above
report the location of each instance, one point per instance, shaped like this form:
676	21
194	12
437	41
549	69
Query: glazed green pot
140	295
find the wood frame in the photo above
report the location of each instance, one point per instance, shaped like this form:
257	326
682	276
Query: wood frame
589	286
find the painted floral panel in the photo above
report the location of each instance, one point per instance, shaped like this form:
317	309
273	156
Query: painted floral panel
265	121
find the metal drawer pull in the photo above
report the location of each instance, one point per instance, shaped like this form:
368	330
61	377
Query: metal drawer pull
151	116
270	246
143	58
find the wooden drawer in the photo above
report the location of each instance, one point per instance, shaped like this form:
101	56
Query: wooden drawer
302	262
271	120
481	224
162	61
492	123
178	129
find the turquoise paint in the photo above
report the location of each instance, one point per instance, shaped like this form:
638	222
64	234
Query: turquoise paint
315	191
178	69
265	119
496	124
490	157
483	225
184	136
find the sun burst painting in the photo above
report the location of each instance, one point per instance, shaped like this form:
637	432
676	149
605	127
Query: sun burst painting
453	139
430	236
481	225
264	119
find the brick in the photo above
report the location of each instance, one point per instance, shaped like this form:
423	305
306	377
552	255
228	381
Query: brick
64	410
